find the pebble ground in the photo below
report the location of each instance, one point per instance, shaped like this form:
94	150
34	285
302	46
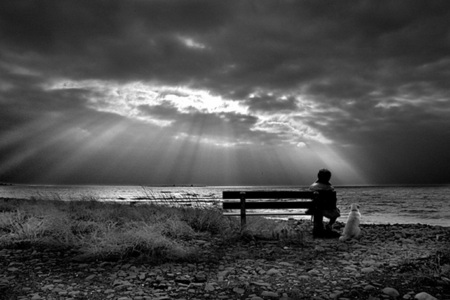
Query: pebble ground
387	262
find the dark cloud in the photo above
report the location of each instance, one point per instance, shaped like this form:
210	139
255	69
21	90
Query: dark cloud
113	39
366	75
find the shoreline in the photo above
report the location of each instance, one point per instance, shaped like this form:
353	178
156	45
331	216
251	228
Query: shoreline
197	185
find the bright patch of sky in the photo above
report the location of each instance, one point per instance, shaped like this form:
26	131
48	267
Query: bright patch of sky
124	99
191	43
127	99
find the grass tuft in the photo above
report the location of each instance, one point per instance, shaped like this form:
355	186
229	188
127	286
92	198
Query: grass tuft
158	232
154	231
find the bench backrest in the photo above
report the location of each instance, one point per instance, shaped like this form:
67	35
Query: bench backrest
268	194
322	199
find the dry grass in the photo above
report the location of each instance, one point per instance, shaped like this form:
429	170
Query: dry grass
158	232
104	229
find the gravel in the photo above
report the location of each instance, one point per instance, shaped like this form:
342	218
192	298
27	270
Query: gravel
387	262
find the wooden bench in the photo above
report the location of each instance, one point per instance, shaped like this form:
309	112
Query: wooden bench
315	202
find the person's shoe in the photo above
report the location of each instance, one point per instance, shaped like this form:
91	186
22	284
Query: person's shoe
331	234
328	227
318	233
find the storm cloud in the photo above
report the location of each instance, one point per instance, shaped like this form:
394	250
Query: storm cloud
109	91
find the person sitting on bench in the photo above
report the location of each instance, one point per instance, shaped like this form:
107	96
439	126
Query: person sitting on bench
329	210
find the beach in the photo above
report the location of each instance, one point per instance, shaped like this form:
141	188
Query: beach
387	262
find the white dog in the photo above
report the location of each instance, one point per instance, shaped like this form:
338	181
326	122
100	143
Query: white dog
351	229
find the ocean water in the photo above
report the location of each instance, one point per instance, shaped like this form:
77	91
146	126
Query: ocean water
378	204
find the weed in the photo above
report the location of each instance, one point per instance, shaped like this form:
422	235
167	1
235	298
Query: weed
153	231
157	232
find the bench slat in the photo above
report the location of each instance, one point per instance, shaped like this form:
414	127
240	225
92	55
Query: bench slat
268	195
268	205
267	214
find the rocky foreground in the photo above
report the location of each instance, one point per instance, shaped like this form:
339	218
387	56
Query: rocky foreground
387	262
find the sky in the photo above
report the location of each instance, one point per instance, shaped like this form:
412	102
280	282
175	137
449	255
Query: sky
248	92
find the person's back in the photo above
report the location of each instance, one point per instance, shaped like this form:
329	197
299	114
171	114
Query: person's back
331	211
319	186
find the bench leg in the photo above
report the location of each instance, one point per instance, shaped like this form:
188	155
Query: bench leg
243	214
318	223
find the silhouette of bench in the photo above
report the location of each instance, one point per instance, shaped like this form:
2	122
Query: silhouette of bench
313	201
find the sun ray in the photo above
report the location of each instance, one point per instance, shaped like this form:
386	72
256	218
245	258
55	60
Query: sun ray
344	169
183	145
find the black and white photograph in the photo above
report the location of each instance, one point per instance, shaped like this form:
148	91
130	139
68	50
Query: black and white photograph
224	149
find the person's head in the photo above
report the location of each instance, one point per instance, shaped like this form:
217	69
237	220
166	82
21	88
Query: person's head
324	176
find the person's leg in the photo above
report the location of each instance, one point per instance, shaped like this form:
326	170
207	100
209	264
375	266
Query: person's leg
330	224
332	215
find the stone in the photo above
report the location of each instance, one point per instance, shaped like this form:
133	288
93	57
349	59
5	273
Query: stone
223	274
260	283
369	262
273	271
445	269
319	249
314	272
269	294
369	287
335	295
200	277
424	296
48	287
13	269
90	277
391	292
367	270
117	282
350	269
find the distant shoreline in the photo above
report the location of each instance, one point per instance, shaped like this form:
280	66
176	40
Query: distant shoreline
223	186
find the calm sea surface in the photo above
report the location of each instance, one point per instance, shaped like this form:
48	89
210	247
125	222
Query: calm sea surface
378	204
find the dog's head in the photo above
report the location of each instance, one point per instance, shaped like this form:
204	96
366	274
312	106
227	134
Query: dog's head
354	207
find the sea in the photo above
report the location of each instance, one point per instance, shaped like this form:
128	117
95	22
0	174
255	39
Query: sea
412	204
